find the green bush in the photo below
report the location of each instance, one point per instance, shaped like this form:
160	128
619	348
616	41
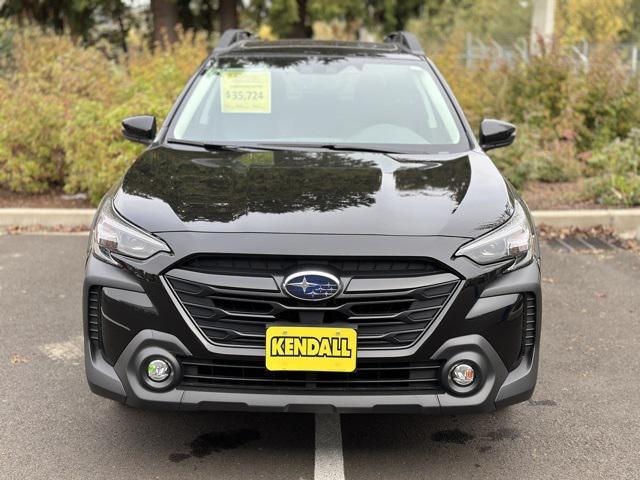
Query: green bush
616	172
608	103
540	93
614	189
539	155
49	74
563	112
7	31
96	153
32	158
62	105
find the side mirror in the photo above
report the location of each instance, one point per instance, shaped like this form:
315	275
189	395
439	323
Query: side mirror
141	128
496	134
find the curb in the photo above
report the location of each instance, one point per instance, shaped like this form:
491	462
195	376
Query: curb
46	217
623	220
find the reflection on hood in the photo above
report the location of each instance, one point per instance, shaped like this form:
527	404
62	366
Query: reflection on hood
312	192
266	182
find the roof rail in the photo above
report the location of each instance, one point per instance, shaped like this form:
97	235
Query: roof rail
231	36
407	40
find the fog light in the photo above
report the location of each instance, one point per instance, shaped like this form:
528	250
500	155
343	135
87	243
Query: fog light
463	374
158	370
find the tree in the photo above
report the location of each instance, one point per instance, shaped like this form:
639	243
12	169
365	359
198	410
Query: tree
354	13
196	15
228	12
594	20
294	18
74	16
165	20
632	35
394	14
283	15
502	20
301	28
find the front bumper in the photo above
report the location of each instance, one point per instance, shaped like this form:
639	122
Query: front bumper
142	320
122	382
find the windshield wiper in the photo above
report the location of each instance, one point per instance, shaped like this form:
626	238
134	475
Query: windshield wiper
217	147
205	145
344	147
337	147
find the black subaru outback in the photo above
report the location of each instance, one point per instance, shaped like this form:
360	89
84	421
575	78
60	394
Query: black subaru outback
314	228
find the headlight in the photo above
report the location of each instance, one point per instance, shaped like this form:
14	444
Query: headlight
113	234
512	240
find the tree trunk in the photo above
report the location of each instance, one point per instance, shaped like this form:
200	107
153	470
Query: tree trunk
165	20
301	29
228	11
123	33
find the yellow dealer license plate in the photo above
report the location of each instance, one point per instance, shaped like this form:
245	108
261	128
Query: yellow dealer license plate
314	349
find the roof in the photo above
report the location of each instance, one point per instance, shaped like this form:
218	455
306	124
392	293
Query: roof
315	47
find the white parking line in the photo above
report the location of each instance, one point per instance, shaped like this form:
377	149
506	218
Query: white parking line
70	350
329	464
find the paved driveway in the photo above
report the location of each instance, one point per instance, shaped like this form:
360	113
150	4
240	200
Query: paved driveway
583	421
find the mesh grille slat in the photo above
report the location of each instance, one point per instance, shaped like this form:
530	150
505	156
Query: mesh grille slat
94	325
253	376
529	327
241	319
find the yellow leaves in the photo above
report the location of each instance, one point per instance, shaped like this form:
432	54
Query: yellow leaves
96	153
477	89
63	103
266	32
57	64
595	21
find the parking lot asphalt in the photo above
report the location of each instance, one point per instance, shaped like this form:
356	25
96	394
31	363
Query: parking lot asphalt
583	421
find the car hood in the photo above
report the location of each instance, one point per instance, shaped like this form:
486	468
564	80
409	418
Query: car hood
169	189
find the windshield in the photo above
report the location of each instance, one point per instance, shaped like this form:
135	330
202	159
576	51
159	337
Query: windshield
320	101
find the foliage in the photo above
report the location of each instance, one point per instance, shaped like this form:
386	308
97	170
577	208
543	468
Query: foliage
283	15
539	155
50	74
563	112
608	101
593	20
617	172
96	153
326	11
7	31
615	189
540	92
501	20
85	19
632	34
63	101
63	104
480	90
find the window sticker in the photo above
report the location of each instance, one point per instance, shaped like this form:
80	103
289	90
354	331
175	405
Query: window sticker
245	91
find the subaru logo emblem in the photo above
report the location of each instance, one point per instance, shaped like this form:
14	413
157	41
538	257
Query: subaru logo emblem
311	285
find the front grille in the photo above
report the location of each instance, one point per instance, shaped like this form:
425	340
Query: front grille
529	324
276	265
393	317
94	316
251	375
